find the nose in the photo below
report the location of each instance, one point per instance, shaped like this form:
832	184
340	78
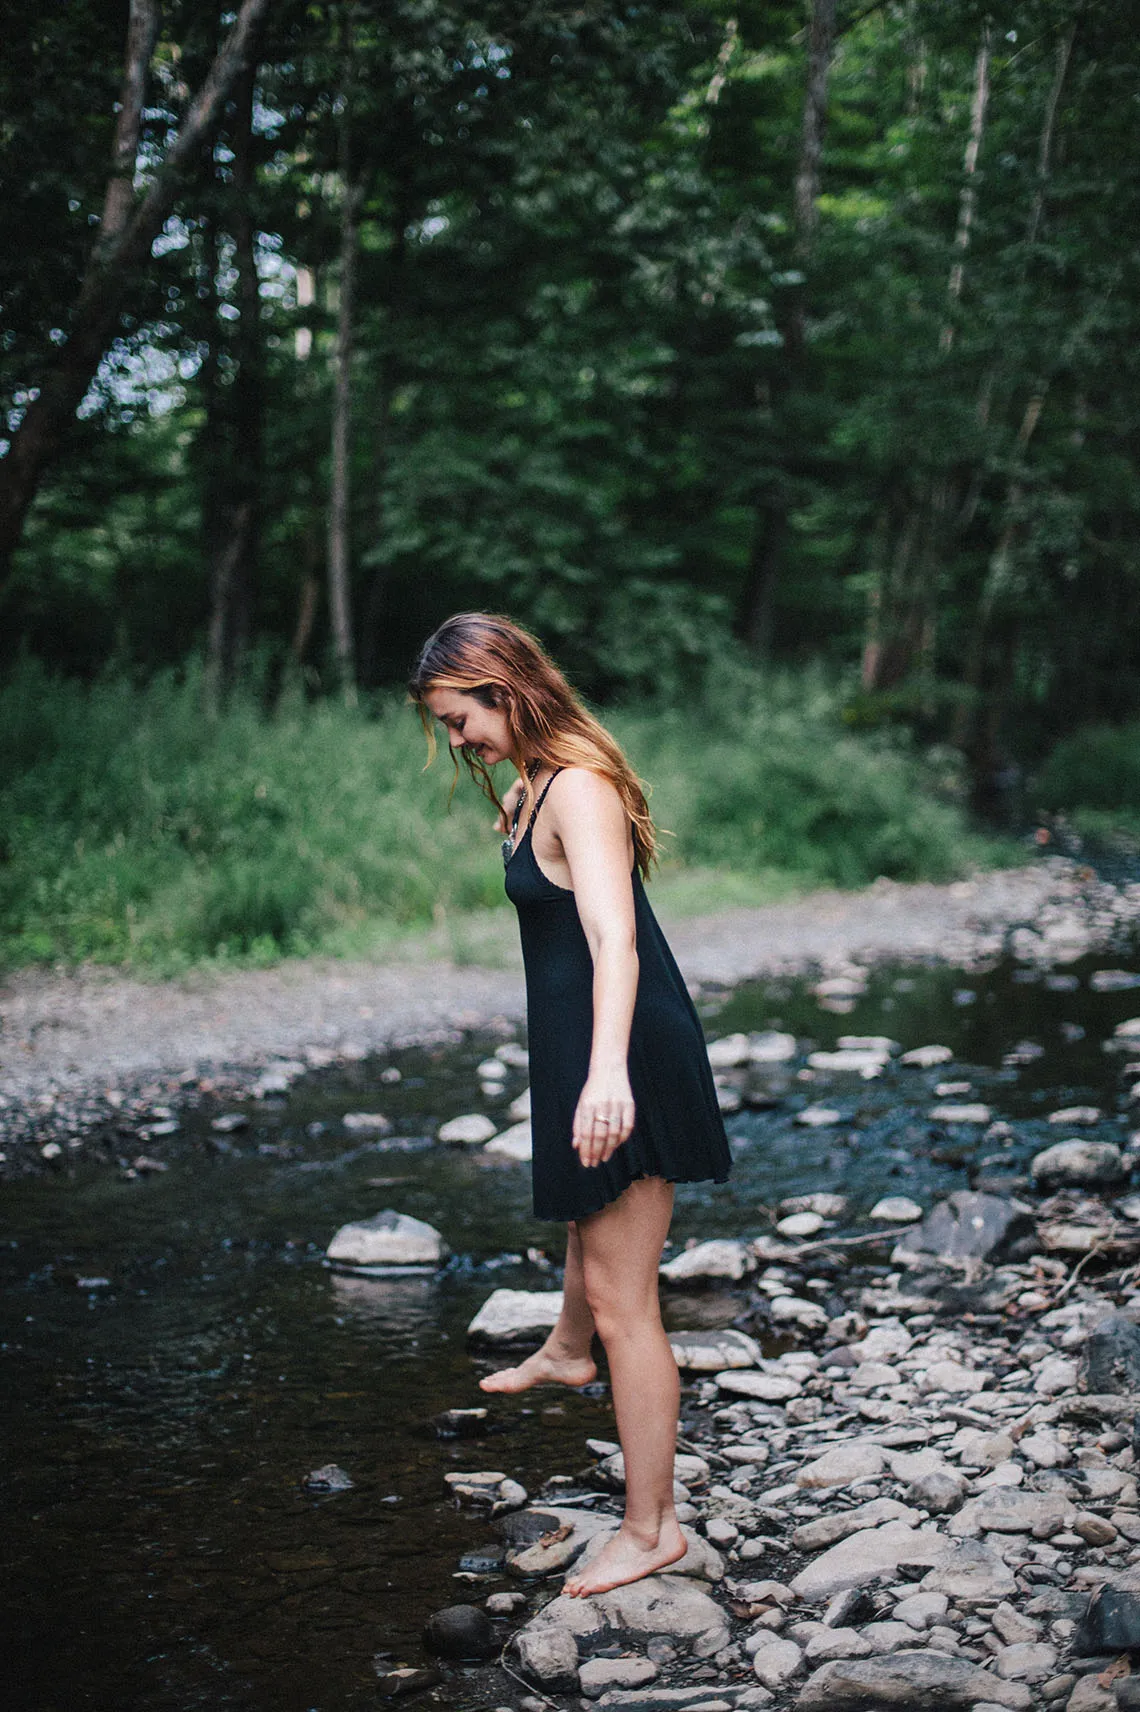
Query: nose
456	739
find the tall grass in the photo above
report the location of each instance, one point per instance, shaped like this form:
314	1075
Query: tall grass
135	830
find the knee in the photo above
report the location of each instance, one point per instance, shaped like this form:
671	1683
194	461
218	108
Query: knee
615	1313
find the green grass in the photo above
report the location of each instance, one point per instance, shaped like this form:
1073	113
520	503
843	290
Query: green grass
1093	778
133	830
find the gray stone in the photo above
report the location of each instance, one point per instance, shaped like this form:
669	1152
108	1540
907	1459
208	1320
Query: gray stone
966	1114
921	1610
513	1316
1012	1627
1111	1624
330	1478
818	1117
723	1257
926	1057
829	1530
764	1387
700	1697
1012	1510
390	1240
1027	1661
953	1377
469	1130
896	1210
1110	1360
367	1123
866	1556
971	1573
669	1605
712	1351
692	1470
1078	1164
514	1145
489	1488
800	1224
504	1604
460	1632
888	1636
843	1464
976	1448
776	1663
837	1644
938	1492
965	1226
1055	1374
565	1535
932	1681
598	1674
547	1656
771	1047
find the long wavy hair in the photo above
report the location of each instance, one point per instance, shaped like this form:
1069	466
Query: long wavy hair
503	666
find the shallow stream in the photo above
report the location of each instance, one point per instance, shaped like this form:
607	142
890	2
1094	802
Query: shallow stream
176	1355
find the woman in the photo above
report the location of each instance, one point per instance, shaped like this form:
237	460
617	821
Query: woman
622	1098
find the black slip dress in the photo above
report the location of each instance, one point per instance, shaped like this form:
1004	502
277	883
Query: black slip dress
678	1130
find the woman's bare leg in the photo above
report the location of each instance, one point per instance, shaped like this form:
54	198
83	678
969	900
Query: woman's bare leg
621	1252
564	1358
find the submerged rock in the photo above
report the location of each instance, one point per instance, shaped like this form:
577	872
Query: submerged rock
388	1240
965	1226
330	1478
1078	1164
460	1632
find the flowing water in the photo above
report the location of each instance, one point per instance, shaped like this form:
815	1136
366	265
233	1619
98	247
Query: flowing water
176	1355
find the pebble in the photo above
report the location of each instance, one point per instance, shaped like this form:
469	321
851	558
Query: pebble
896	1209
468	1130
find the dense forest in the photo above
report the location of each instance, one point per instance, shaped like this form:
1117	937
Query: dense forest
691	334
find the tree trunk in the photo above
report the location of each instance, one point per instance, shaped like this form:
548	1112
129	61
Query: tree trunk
115	259
968	199
340	494
805	200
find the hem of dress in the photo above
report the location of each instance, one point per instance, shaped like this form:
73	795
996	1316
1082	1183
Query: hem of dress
635	1177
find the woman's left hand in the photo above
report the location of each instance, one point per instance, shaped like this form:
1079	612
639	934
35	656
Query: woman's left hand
604	1116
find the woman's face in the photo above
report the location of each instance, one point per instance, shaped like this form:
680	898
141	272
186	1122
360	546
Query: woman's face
469	725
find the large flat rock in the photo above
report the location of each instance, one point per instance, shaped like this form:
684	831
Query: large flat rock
865	1556
516	1316
926	1681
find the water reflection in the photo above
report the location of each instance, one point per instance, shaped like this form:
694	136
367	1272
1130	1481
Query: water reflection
390	1308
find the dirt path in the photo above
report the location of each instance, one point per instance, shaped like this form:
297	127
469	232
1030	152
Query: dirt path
70	1036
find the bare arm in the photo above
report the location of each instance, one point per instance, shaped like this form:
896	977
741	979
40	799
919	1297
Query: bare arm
594	831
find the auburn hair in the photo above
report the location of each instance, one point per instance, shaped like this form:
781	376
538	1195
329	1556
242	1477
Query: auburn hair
503	666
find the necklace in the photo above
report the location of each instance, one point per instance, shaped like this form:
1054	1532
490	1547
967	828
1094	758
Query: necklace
531	768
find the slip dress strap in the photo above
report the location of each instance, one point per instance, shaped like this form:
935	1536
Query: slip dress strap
533	812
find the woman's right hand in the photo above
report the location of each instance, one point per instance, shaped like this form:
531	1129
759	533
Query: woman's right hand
510	803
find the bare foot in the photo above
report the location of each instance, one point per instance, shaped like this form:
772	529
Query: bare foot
625	1558
544	1367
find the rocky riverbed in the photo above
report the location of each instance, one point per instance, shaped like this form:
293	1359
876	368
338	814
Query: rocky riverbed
97	1065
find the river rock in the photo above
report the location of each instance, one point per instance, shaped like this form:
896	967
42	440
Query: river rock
933	1681
830	1206
818	1117
763	1387
971	1573
866	1556
921	1610
565	1535
404	1681
468	1130
1076	1115
1012	1510
798	1311
669	1605
851	1062
367	1123
965	1226
514	1316
1078	1164
547	1656
598	1674
970	1113
896	1210
723	1257
776	1662
1111	1624
926	1057
388	1240
710	1352
800	1225
488	1488
1045	1449
829	1530
1110	1360
514	1144
730	1051
330	1478
975	1448
953	1377
843	1464
771	1047
1128	1032
938	1491
460	1632
1055	1375
1027	1661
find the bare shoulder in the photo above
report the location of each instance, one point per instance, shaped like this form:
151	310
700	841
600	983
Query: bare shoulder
578	789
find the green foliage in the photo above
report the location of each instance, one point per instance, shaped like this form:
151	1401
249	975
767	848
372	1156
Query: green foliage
137	832
1093	776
